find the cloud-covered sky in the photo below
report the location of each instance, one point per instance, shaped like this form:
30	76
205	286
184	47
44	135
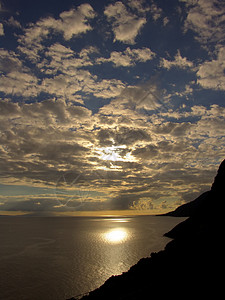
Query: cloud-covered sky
110	105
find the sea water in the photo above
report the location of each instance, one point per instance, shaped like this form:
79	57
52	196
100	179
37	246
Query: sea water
55	258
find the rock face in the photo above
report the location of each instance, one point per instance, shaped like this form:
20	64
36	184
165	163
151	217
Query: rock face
190	266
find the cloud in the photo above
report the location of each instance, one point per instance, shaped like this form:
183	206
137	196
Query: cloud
165	21
59	58
64	76
141	147
206	18
70	23
13	23
14	77
124	135
125	24
106	88
146	96
178	62
9	61
155	11
129	57
211	73
74	22
56	115
138	6
143	204
1	29
144	153
42	141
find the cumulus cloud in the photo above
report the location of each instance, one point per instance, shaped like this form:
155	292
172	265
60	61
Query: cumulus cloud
129	57
42	141
146	96
178	62
64	75
206	18
9	61
70	23
1	29
74	22
211	73
125	24
138	149
106	88
155	11
138	5
14	77
13	23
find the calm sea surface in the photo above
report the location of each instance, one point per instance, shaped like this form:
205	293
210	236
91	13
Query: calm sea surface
50	258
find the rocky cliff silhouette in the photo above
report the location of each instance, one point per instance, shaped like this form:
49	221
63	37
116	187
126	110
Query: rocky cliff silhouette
190	266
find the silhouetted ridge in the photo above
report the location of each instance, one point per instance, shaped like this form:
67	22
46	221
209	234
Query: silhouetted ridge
218	185
206	207
190	266
190	208
204	201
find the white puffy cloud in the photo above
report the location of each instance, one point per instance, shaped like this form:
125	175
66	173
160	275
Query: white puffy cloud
129	57
74	22
211	73
15	78
64	75
132	100
40	139
178	62
59	52
75	80
106	88
19	83
70	23
206	18
125	24
65	60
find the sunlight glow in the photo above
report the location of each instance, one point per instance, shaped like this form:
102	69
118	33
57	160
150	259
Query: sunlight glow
119	220
112	153
116	235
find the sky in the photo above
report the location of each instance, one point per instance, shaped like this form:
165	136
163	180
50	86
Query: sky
110	105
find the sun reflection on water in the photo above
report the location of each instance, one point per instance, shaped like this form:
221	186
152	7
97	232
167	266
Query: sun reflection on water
118	220
117	235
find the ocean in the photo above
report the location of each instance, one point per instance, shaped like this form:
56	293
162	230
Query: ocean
55	258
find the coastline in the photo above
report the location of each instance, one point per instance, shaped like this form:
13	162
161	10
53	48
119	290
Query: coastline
189	265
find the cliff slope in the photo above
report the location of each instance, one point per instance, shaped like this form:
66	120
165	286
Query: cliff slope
190	266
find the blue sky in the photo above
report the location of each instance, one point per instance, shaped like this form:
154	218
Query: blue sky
110	105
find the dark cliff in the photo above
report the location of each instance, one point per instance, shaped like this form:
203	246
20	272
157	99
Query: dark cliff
190	266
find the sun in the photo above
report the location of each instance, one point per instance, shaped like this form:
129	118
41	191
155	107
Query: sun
112	153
